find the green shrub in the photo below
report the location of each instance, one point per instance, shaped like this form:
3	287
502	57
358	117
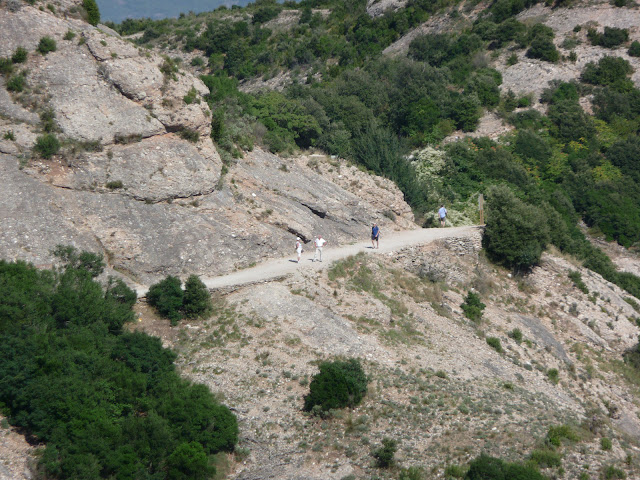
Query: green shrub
610	473
93	12
532	146
9	135
557	433
412	473
70	35
47	145
384	454
191	96
189	461
610	38
634	49
516	233
545	458
197	62
576	277
607	71
494	343
454	471
543	48
570	122
196	301
339	384
473	307
6	66
552	374
120	292
92	263
485	467
16	83
114	184
190	135
512	60
605	443
516	334
166	297
46	45
20	55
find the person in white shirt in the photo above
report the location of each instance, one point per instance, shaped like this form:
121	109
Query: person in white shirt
319	244
299	248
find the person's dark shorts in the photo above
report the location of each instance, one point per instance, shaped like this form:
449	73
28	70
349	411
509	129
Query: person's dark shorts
375	237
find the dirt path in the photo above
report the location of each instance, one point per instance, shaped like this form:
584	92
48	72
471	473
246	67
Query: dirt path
282	267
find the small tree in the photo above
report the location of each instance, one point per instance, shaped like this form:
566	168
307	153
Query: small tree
166	297
516	232
197	299
93	12
339	384
384	455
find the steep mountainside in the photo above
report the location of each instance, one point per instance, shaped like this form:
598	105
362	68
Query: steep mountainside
107	145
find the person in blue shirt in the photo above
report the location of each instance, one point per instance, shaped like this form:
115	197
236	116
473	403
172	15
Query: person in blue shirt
442	213
375	236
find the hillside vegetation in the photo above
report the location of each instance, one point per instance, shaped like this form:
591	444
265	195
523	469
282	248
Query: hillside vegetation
344	97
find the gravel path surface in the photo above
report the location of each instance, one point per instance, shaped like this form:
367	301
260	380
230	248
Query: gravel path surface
283	267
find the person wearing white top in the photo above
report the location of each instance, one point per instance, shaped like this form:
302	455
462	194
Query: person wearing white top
299	248
319	244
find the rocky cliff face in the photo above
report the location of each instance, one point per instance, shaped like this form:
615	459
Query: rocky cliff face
128	184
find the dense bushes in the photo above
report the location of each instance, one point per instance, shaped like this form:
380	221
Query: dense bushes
607	71
339	384
610	38
106	403
170	301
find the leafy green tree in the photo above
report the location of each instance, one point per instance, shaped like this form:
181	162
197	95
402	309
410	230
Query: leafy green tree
166	297
339	384
516	233
196	301
634	49
93	12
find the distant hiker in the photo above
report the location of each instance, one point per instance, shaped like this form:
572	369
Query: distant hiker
319	244
299	249
442	213
375	236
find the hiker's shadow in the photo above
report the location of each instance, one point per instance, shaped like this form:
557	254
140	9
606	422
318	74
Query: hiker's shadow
293	261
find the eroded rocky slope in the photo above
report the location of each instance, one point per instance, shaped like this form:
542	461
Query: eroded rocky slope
127	184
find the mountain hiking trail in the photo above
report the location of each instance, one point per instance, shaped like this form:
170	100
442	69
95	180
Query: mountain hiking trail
282	267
